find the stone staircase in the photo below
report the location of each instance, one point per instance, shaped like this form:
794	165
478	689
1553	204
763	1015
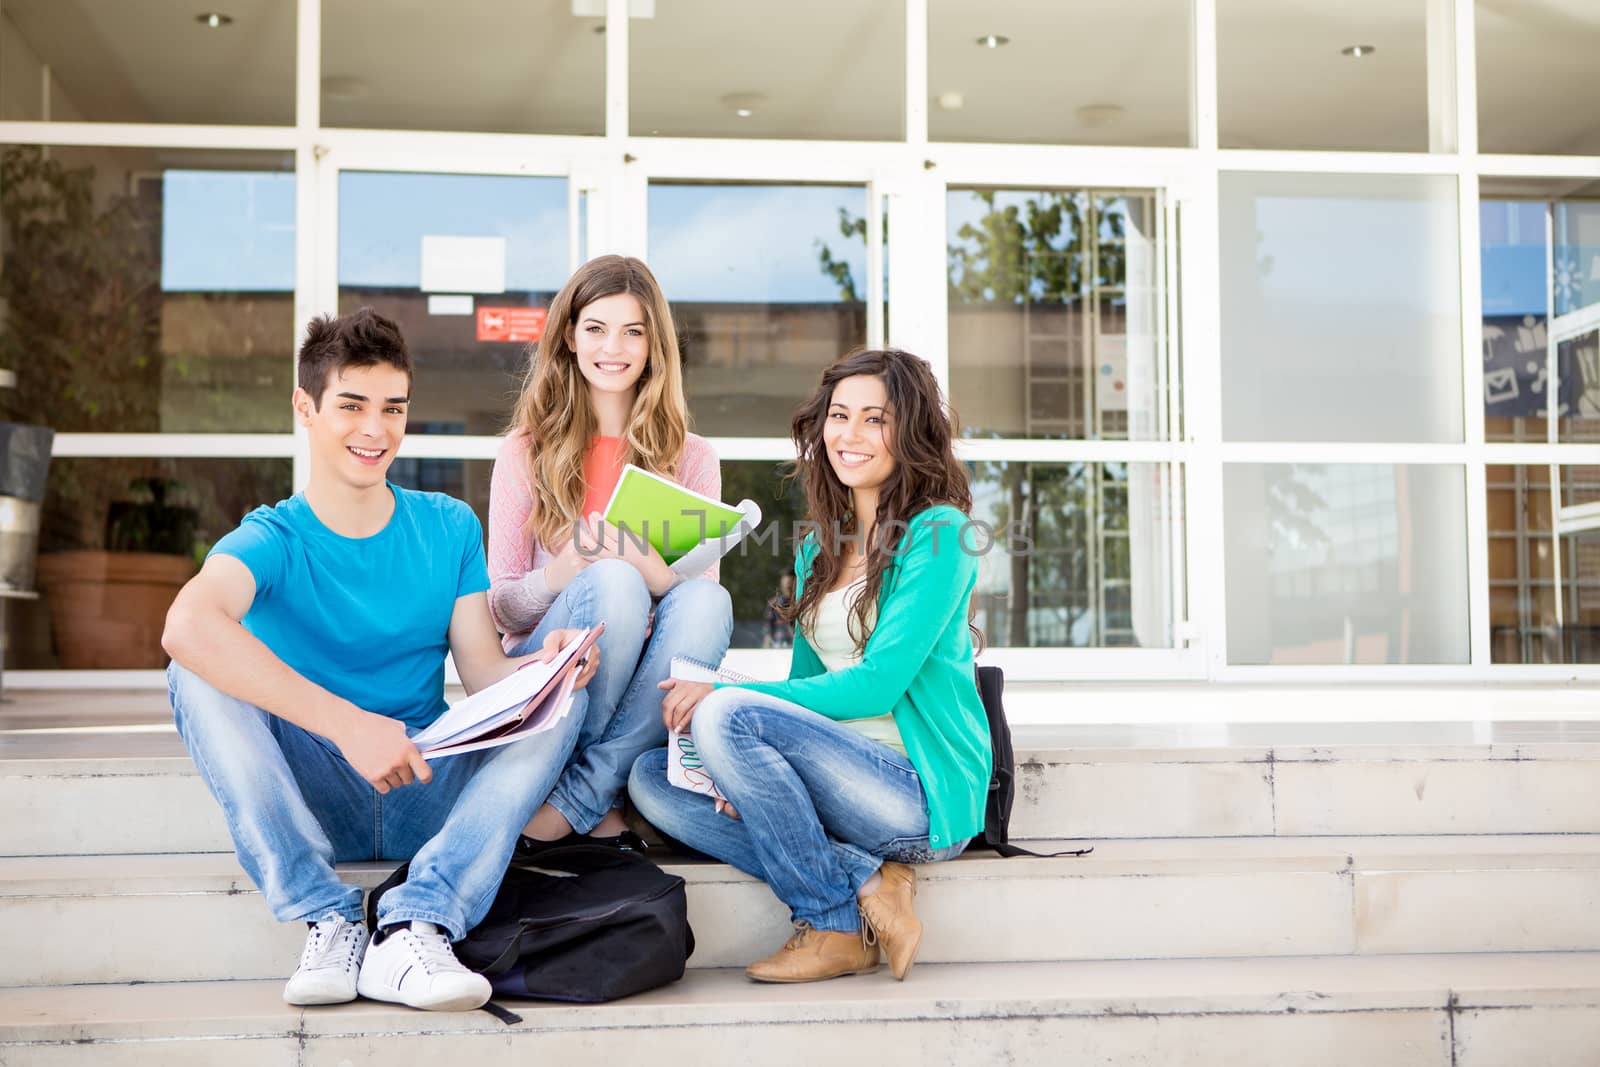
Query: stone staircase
1336	894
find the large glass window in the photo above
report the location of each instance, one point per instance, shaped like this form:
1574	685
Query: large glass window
535	66
1535	58
1541	298
1345	563
1544	563
147	290
147	61
1024	71
1076	555
466	264
768	285
118	538
821	70
1334	76
1056	314
1341	308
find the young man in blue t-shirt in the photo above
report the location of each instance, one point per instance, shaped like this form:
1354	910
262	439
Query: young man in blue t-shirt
307	647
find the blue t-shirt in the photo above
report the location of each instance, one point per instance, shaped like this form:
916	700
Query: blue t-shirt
367	618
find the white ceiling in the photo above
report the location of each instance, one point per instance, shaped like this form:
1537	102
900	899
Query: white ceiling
831	68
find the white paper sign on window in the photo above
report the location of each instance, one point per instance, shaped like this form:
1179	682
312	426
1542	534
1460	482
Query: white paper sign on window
463	264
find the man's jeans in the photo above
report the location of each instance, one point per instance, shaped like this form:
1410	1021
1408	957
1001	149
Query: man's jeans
694	620
820	806
295	807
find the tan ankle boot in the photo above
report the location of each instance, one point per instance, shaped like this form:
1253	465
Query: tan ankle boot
811	955
888	914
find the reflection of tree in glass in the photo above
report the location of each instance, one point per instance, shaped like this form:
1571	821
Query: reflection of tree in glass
1291	503
751	572
1020	253
851	227
81	285
1034	253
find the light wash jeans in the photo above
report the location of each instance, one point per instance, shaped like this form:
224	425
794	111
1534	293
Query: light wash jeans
820	805
694	619
295	807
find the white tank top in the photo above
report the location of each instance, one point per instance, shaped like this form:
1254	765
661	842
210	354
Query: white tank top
829	636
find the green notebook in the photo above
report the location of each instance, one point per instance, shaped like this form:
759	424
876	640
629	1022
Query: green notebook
672	518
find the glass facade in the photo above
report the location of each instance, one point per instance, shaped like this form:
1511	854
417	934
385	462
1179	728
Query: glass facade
1347	77
1120	78
824	70
767	285
466	264
1345	563
1223	410
1341	319
538	66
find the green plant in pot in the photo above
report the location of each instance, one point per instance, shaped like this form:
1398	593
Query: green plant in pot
81	293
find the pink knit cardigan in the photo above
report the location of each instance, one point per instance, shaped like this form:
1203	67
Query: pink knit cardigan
518	593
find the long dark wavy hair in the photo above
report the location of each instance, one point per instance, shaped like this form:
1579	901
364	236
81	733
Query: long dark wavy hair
921	431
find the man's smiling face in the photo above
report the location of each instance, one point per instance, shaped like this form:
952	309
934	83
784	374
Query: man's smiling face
357	429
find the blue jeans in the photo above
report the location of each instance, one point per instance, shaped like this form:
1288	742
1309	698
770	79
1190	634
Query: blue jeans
694	619
820	805
295	807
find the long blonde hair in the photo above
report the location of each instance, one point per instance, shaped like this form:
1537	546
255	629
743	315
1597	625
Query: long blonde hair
554	410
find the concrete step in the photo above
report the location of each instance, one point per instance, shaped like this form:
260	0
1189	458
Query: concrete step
1416	1011
71	920
65	792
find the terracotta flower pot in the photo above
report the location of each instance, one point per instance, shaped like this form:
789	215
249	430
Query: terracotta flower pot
107	609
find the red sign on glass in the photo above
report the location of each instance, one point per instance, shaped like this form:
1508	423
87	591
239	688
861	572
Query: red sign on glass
511	324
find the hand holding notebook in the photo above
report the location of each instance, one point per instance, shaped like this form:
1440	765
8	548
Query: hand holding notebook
529	700
690	531
684	768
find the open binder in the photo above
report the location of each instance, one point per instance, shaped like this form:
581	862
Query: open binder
528	701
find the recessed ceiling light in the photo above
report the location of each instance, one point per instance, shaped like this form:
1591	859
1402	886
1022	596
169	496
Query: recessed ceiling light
1356	51
1099	116
951	101
743	104
215	19
993	40
342	87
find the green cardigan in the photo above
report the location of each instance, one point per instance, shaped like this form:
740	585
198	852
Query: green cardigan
917	664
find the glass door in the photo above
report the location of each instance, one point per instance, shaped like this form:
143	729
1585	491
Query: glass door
466	264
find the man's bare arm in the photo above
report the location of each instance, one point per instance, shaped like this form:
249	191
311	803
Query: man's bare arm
204	634
480	659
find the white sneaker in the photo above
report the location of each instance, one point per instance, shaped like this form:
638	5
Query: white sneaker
328	964
414	965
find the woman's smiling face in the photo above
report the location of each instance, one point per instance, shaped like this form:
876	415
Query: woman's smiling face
856	433
612	342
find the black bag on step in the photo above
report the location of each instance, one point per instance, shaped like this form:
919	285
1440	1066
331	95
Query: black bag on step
991	683
589	923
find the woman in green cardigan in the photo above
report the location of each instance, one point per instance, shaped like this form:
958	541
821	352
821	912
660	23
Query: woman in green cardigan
874	753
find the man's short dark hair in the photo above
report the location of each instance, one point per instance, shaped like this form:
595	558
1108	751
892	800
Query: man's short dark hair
362	338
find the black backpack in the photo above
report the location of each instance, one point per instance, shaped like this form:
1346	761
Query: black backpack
587	923
991	683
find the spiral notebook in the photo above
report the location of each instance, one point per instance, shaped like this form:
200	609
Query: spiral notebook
684	767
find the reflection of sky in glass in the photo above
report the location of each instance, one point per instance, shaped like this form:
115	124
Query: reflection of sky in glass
753	243
234	231
383	218
227	231
1513	257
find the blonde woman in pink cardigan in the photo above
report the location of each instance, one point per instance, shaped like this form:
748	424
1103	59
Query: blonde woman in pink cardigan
604	389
